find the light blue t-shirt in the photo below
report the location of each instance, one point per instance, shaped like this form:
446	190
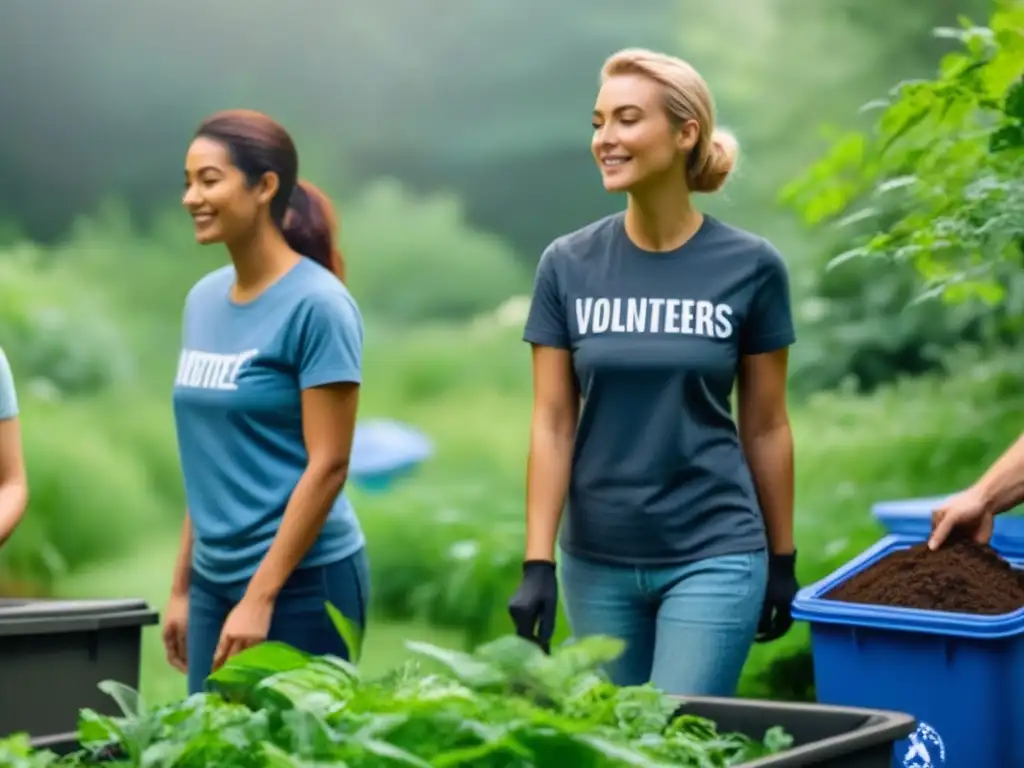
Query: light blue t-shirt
8	396
238	412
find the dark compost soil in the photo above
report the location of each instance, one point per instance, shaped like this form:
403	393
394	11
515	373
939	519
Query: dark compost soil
960	577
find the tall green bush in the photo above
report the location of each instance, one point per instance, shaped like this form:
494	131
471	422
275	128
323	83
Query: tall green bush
950	152
98	443
59	337
927	203
415	259
93	495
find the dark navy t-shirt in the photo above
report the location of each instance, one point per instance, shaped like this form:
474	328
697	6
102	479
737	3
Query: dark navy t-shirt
658	473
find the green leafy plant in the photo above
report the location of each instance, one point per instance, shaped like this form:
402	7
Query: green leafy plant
505	705
939	183
433	267
62	342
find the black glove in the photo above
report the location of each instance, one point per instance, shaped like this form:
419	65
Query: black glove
532	607
777	613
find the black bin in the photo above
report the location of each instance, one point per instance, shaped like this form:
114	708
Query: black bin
824	736
53	654
836	737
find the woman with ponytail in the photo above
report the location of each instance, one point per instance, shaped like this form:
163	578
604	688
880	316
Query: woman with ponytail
678	530
265	405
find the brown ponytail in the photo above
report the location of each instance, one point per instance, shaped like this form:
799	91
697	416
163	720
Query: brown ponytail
311	225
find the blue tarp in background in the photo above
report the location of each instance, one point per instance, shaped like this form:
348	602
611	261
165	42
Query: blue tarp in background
384	450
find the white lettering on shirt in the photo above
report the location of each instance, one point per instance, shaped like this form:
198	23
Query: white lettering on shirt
211	370
688	317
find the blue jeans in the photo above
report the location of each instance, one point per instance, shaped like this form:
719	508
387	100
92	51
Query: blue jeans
687	628
300	618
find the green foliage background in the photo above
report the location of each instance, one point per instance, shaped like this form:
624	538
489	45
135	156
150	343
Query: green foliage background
906	378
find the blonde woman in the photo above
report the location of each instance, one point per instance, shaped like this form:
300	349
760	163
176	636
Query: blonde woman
13	483
678	533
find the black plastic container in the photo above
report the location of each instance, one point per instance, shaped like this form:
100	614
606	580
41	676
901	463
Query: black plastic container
836	737
54	653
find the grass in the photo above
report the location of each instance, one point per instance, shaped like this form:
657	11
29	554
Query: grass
146	574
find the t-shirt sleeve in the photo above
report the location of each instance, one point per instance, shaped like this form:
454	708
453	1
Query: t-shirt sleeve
546	322
8	396
330	343
769	322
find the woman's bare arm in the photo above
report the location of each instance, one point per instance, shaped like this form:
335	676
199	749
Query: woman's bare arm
768	442
552	434
183	563
1002	486
328	424
13	478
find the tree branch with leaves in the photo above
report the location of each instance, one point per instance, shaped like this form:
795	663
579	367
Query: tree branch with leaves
939	181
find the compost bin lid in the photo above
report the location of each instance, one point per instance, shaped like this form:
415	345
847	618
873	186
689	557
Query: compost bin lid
20	616
922	506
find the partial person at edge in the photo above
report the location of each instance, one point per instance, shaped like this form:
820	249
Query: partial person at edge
13	478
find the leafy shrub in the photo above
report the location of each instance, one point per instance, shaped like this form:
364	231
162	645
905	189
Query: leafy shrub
144	426
445	554
927	204
416	259
141	278
867	324
479	362
100	449
951	151
92	496
507	705
60	339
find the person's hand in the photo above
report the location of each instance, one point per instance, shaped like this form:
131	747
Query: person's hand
175	632
533	606
965	512
247	625
777	612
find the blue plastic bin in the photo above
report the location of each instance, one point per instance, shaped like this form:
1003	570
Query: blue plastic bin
961	676
913	518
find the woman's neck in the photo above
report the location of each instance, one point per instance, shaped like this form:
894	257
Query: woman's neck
259	261
661	219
